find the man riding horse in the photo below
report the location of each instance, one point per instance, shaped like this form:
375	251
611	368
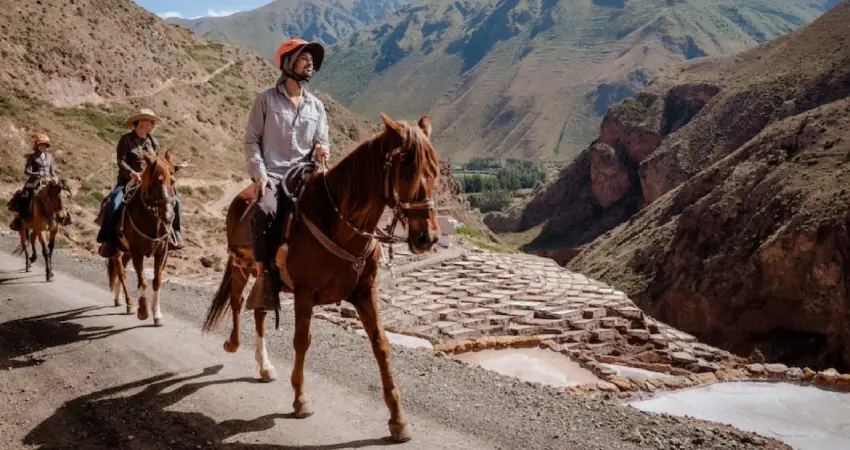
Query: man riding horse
39	168
131	164
286	124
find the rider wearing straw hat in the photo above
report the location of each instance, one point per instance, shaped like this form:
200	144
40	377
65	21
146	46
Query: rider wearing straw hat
131	164
286	123
40	166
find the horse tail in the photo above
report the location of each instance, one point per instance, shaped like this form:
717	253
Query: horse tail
221	301
111	273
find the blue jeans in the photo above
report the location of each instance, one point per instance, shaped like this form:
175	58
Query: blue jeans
112	214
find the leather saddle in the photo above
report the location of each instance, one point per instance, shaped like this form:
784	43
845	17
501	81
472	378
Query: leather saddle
295	180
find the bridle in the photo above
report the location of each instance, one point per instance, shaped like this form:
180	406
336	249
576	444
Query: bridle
400	208
153	209
390	196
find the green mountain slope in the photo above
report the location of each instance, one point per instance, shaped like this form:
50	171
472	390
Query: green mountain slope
264	28
532	78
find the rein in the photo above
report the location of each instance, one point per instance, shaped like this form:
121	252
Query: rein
130	191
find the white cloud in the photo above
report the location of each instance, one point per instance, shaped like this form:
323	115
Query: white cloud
210	13
222	13
170	15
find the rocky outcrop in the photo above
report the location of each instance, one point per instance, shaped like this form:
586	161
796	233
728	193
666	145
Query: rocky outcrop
744	241
607	183
735	224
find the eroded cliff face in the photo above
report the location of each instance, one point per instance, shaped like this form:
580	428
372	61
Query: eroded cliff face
752	252
718	198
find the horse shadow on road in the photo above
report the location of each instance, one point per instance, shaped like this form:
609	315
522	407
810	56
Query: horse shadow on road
20	339
106	420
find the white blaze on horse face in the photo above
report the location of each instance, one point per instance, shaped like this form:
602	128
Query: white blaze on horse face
169	207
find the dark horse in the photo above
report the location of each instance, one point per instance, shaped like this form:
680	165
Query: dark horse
146	224
331	253
48	212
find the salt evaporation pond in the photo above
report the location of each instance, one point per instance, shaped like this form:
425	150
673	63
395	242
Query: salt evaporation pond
531	364
402	340
804	417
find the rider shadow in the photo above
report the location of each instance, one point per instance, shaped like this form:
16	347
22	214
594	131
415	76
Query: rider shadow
21	338
106	420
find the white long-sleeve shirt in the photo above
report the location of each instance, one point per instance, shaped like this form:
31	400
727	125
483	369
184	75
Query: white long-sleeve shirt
277	134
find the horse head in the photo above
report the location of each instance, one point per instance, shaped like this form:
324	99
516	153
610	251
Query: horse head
57	195
157	186
411	173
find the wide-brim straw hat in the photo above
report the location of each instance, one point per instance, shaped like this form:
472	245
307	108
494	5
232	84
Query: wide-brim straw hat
40	139
143	114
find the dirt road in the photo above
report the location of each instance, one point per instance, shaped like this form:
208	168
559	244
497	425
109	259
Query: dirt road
77	373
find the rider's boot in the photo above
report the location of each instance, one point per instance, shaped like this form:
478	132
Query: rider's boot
266	292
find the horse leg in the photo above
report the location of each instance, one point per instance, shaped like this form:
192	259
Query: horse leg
32	235
239	279
367	309
301	342
44	252
51	244
159	259
267	371
24	247
139	265
121	263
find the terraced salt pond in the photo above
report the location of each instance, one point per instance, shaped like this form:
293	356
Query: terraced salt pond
531	364
804	417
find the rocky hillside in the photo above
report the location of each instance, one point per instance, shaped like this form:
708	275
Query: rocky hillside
533	78
263	29
718	198
75	70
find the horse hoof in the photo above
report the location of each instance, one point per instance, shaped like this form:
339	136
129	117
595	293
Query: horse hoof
50	278
142	314
158	322
268	375
230	348
130	311
400	432
302	410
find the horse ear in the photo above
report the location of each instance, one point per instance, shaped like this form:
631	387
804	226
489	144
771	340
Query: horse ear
390	123
168	154
147	156
425	124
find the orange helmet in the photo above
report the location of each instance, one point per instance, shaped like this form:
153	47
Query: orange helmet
40	139
291	45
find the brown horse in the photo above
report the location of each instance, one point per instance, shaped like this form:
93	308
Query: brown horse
338	213
48	211
146	231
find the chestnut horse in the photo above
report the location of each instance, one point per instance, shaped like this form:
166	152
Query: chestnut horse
146	219
336	218
48	212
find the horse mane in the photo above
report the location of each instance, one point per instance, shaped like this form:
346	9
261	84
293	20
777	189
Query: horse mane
353	197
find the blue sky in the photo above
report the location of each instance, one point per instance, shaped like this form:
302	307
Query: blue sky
198	8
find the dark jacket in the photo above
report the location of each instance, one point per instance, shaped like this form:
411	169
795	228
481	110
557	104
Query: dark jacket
39	166
129	154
